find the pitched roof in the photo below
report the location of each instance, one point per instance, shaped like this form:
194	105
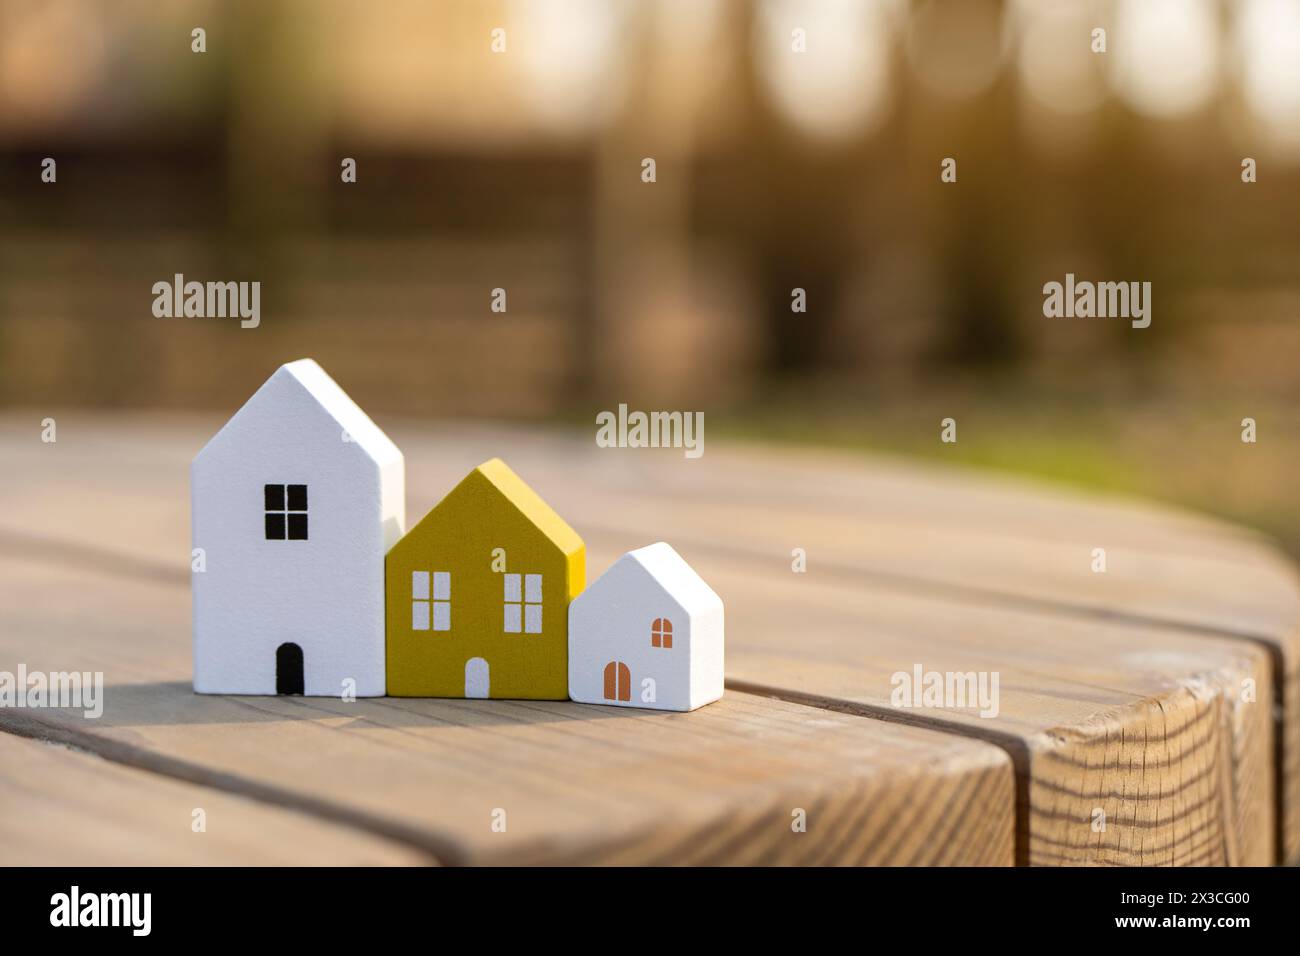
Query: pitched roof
530	504
673	573
308	376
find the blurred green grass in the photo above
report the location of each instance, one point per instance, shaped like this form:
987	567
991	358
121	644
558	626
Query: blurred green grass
1181	449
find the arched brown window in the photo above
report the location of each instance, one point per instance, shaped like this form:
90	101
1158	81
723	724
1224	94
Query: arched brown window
618	681
661	633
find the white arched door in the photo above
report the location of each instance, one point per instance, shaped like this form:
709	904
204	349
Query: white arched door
476	677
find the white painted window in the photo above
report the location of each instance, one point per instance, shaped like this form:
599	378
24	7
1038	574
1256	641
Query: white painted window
431	606
523	603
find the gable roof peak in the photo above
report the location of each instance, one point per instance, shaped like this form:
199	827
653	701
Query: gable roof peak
662	562
307	376
515	490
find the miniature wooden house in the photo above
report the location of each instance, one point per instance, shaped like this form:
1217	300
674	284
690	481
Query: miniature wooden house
294	504
478	594
647	633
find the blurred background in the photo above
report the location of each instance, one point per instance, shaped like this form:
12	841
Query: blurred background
775	170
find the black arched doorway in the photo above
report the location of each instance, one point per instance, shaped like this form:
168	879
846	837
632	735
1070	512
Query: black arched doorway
288	669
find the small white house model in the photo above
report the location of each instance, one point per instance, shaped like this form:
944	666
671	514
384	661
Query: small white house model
295	503
647	633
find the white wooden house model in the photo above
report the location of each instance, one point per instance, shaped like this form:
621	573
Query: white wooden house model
647	633
295	502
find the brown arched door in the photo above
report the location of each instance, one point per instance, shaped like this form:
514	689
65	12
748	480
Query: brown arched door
618	681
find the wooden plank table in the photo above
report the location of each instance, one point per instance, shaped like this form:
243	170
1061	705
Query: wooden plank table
1145	715
63	807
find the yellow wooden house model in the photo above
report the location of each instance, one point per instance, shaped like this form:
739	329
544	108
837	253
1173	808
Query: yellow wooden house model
478	592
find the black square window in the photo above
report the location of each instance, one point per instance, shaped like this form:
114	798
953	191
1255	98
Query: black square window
286	512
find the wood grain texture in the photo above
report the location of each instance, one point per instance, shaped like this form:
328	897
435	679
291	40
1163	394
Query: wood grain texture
577	784
1094	712
1112	695
1075	677
977	539
61	807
